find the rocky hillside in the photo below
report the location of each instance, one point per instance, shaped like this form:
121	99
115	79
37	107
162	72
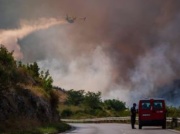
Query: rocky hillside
23	103
26	94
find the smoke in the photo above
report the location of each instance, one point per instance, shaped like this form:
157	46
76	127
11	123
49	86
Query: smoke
10	37
88	73
151	72
125	49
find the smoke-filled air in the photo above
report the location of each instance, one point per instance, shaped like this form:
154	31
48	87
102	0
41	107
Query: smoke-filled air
126	49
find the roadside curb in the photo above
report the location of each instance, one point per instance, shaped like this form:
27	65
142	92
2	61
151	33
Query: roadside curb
172	130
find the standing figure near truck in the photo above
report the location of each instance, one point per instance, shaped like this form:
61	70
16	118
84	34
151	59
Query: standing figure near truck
133	115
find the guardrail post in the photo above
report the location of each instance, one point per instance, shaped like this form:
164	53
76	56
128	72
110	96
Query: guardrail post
174	122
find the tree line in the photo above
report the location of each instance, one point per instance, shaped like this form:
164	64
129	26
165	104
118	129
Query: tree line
91	104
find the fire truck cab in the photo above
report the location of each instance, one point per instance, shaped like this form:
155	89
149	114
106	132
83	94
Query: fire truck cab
152	112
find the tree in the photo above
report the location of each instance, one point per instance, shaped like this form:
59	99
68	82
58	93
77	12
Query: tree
75	97
6	58
46	80
92	100
20	64
33	69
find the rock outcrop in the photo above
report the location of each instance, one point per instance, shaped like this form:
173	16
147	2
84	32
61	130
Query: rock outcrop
24	103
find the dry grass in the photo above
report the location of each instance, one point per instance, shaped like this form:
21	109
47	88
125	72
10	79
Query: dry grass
38	91
62	107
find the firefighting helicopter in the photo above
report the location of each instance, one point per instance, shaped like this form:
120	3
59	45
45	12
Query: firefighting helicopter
72	19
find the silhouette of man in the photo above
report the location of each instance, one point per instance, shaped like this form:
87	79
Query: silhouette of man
133	115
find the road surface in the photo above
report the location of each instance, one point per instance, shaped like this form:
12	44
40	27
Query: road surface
115	128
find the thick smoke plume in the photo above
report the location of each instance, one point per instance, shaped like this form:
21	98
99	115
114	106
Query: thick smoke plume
127	49
152	71
10	37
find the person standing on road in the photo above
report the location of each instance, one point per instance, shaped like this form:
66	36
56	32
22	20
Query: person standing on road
133	115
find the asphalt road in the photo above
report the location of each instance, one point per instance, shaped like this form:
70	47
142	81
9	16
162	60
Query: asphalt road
114	128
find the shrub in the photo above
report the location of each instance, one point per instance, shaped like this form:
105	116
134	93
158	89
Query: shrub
100	113
66	113
115	105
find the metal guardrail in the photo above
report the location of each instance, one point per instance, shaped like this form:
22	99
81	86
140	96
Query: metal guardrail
97	119
107	119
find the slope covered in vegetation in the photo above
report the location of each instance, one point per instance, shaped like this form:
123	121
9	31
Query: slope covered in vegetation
26	95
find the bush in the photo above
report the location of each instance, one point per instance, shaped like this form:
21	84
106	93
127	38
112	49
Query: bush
66	113
173	111
115	105
100	113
